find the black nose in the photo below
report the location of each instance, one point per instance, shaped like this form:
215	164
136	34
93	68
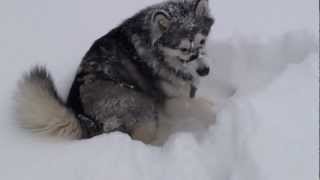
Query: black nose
203	71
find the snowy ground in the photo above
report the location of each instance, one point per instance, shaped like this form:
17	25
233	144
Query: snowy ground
264	87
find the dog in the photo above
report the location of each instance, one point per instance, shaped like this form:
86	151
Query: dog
126	76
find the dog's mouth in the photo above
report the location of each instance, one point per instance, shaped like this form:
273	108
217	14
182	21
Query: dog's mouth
184	76
204	71
183	61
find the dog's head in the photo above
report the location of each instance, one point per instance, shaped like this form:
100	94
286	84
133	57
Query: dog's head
180	32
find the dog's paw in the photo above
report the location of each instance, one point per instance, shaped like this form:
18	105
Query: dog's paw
186	108
145	131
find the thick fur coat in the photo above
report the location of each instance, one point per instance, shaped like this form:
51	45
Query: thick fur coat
125	77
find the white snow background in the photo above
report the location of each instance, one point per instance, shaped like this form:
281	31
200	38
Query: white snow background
264	87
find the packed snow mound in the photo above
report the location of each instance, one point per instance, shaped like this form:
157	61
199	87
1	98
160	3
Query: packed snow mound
262	125
288	113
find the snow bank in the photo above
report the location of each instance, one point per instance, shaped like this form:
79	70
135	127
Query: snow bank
269	133
288	114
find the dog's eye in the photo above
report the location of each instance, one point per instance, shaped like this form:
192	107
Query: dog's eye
184	50
203	41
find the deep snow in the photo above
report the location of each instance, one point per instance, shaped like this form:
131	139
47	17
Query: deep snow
264	88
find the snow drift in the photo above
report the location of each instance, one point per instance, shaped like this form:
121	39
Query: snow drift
256	130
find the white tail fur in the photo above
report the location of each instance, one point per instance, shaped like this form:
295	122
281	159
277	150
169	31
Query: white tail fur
39	108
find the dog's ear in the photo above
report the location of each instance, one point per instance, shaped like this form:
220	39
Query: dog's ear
160	24
161	20
201	7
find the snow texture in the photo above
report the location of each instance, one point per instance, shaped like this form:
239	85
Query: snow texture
264	88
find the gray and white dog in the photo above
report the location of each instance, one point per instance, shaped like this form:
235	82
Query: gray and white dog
125	77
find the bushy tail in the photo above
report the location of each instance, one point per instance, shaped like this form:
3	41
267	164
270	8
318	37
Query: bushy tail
39	108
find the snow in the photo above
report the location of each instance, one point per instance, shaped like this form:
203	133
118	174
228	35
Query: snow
293	99
264	88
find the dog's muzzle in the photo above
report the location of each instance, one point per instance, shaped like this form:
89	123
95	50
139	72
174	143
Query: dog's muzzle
192	58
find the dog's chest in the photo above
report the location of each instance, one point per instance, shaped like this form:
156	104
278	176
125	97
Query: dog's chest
176	87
